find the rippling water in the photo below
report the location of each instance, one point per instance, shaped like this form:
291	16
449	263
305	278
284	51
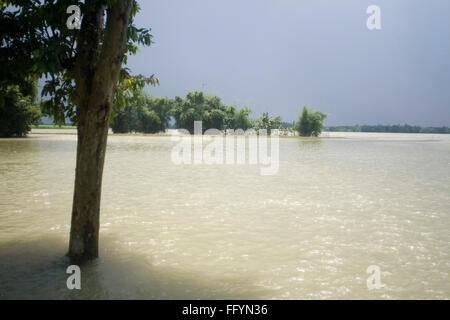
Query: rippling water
336	206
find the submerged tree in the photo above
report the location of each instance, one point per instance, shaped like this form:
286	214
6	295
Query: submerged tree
83	69
310	123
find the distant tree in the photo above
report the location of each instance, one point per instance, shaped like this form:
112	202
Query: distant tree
275	123
154	114
287	125
304	125
242	120
146	114
199	107
188	110
230	117
148	120
214	118
162	108
266	123
18	110
310	123
389	128
124	120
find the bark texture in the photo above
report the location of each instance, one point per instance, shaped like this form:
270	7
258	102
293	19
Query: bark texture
100	53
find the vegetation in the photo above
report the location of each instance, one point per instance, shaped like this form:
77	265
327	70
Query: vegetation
242	120
147	114
389	128
18	110
266	123
153	114
287	125
310	123
200	107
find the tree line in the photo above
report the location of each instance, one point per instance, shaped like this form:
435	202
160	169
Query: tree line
148	114
143	113
389	128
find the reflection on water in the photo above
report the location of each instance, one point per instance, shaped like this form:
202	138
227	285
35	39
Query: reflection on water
336	206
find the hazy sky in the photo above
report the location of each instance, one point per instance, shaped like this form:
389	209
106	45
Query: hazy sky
278	55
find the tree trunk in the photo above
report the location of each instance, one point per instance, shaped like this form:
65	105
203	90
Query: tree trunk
84	233
99	59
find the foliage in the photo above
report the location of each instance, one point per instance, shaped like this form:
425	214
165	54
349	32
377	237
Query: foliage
17	111
287	125
147	114
124	119
162	108
310	123
199	107
242	120
266	123
37	43
148	120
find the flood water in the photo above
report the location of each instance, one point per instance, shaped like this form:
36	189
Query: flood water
336	206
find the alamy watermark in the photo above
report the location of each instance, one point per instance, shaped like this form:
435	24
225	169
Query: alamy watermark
374	20
374	280
74	20
234	147
74	280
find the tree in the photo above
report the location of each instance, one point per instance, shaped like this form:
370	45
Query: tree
199	107
83	69
304	125
146	114
266	123
124	119
161	108
18	110
310	123
242	120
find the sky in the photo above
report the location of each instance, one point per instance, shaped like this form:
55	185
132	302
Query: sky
279	55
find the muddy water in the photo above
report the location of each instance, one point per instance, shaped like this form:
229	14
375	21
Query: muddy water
336	206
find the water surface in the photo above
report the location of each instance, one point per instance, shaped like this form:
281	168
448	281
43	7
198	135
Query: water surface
336	206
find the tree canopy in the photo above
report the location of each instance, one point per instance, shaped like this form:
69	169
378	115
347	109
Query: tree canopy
266	123
150	114
146	114
200	107
310	122
37	43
